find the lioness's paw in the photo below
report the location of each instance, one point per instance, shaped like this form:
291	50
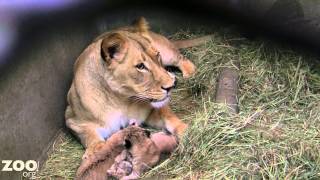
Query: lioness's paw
188	69
181	129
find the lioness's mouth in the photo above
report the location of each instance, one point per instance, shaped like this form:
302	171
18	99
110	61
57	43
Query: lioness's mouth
160	103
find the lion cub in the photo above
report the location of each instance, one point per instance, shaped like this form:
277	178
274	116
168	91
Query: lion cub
121	76
126	155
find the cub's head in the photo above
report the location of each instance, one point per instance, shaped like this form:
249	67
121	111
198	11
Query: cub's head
133	69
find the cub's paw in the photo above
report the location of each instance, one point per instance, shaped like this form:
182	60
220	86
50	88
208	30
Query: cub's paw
166	143
92	149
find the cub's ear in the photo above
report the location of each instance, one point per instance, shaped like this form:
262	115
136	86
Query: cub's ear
147	132
114	47
127	144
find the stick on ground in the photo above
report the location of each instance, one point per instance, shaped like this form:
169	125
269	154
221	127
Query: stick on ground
227	89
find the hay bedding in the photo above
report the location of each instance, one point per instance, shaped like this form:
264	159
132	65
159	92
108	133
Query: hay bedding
276	135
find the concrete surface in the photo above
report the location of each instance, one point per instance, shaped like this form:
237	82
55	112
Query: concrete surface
33	92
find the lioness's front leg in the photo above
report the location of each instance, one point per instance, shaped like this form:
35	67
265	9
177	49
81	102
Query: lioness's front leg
165	118
89	135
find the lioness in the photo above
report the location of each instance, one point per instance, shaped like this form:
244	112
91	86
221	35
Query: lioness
119	77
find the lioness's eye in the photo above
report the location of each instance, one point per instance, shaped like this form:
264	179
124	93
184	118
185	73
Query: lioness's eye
141	66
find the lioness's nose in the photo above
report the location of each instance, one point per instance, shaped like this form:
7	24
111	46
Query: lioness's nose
168	88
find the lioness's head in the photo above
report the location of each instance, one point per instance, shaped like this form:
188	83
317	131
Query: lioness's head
134	69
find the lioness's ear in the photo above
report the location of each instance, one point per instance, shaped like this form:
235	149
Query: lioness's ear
141	25
114	47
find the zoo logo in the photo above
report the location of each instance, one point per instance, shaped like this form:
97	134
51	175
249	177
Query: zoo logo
30	167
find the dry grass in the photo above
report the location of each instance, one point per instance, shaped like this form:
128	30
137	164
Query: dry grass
275	136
